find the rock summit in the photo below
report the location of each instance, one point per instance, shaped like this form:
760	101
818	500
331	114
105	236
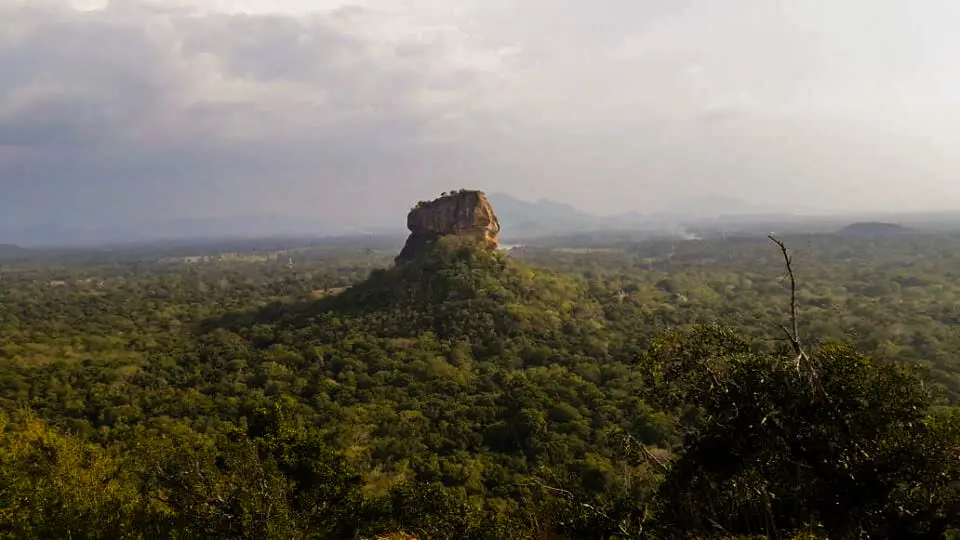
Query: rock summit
463	213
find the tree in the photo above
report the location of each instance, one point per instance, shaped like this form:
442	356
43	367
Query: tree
57	486
325	490
846	444
213	488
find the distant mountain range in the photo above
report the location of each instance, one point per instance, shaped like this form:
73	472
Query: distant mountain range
519	219
525	219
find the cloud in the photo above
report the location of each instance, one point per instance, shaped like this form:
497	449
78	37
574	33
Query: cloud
149	108
149	99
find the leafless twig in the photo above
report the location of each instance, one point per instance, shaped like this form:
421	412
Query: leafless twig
570	496
566	493
792	333
648	454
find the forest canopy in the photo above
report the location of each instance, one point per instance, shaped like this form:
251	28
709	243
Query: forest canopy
645	391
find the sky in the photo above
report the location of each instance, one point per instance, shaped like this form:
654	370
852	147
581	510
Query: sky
123	110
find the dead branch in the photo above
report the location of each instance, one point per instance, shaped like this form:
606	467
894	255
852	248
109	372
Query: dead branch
566	493
792	333
570	496
648	454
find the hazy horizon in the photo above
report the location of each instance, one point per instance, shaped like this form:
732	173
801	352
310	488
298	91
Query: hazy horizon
134	110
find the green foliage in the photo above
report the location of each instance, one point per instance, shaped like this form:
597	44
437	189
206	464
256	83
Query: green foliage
325	490
467	395
849	445
57	486
213	488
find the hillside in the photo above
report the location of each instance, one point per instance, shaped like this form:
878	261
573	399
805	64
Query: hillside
455	292
525	219
458	393
874	228
11	251
459	320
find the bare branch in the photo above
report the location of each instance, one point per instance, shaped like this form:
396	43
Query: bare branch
570	496
648	454
793	333
566	493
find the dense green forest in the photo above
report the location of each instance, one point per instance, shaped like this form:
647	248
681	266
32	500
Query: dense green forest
644	390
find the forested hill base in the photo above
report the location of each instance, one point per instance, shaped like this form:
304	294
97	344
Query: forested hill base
461	393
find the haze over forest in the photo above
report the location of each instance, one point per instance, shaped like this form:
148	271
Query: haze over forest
127	111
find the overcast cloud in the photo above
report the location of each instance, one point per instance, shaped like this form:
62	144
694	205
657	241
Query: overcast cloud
132	109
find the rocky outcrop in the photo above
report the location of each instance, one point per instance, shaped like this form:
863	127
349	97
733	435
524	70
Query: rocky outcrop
462	213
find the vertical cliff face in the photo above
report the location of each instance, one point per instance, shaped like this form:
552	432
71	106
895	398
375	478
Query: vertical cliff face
463	213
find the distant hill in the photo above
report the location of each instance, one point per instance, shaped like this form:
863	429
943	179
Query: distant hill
874	228
519	218
544	218
9	251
